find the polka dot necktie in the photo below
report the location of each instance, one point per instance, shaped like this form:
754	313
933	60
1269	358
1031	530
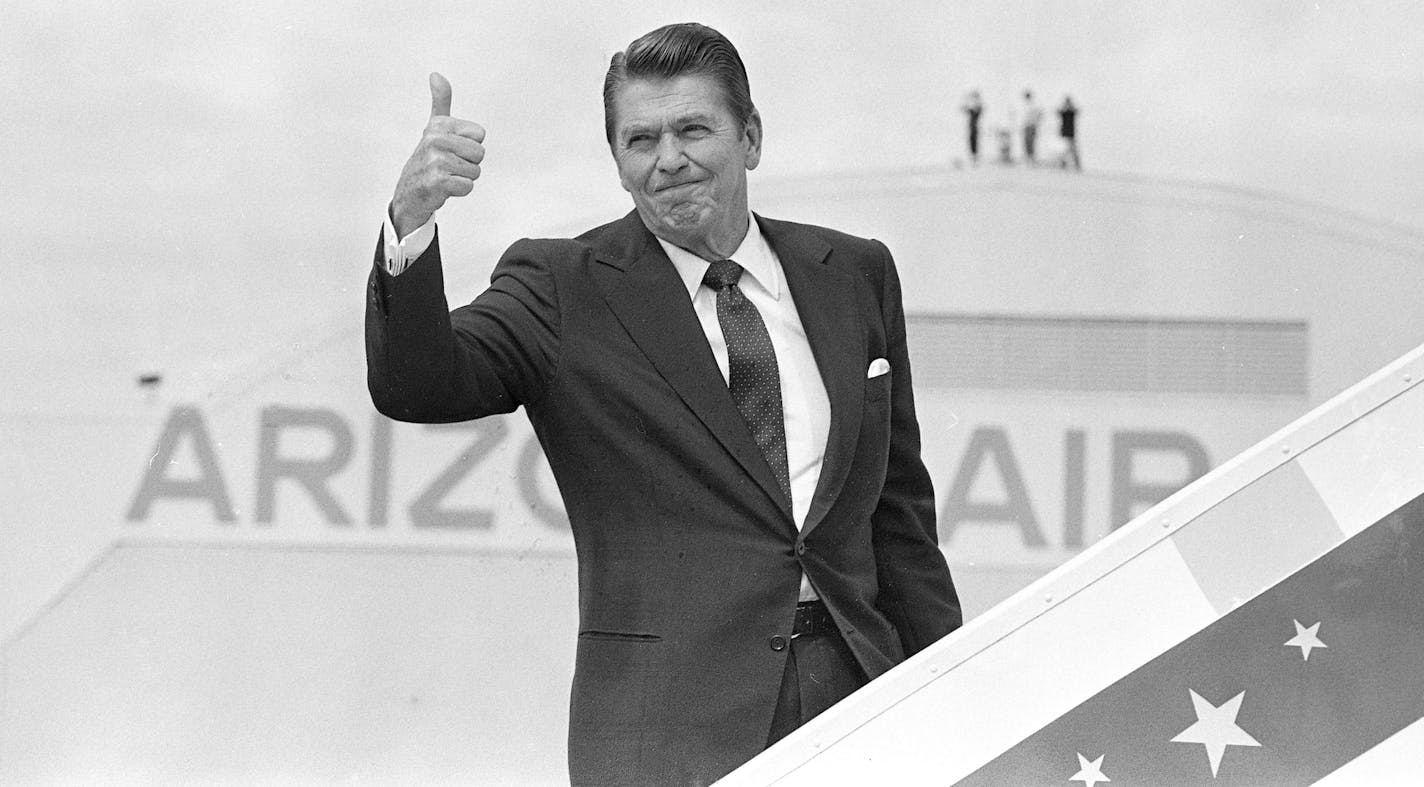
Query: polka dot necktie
754	380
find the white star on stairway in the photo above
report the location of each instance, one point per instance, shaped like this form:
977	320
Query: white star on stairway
1305	639
1215	728
1089	773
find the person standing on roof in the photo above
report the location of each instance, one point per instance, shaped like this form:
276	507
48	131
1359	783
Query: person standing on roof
973	107
1067	129
1033	115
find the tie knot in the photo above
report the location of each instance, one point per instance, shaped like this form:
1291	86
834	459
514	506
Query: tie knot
721	275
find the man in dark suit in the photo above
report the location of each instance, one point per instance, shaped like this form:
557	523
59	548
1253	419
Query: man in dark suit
725	403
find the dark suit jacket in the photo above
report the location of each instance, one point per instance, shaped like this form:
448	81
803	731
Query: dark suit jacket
689	563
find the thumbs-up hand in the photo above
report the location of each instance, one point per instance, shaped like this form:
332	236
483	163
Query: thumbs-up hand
445	163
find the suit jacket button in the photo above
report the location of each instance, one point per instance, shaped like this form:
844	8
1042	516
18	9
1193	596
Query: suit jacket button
777	643
801	548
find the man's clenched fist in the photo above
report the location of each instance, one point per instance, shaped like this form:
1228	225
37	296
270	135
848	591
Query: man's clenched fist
445	164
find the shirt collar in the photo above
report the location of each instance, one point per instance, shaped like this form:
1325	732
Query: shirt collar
754	255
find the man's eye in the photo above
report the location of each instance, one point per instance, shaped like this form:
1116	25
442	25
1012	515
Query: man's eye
696	130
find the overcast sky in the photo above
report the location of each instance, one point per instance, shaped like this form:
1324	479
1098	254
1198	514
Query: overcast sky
169	165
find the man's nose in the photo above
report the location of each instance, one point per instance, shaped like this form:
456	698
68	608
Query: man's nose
671	156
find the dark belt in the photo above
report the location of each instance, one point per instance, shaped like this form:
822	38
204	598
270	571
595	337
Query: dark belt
812	619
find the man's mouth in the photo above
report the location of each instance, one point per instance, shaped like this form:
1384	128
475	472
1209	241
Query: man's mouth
672	186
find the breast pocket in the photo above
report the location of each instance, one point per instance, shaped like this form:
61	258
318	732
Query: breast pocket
877	388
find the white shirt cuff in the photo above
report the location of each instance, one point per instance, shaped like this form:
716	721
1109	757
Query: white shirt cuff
400	254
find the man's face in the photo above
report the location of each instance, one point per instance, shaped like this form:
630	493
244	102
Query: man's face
684	158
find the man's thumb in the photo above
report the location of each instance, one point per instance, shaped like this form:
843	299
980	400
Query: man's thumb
439	95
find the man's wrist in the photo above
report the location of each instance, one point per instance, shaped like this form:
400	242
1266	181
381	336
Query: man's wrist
401	251
404	223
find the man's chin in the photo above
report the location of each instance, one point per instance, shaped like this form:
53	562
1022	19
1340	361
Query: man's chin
687	217
679	221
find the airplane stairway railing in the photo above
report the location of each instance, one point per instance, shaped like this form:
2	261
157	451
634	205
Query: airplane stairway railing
1263	625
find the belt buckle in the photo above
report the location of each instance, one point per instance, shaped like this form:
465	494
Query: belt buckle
806	618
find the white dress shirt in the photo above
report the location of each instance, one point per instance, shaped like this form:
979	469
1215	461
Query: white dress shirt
805	405
400	253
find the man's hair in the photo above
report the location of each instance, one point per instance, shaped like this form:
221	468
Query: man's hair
682	49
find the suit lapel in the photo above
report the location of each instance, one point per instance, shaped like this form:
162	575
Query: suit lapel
826	302
652	305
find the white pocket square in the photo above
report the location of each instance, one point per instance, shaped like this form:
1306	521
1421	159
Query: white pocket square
878	367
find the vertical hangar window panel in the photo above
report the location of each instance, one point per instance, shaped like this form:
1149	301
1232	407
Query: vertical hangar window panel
1002	352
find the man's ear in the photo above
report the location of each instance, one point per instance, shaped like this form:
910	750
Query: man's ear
622	178
752	132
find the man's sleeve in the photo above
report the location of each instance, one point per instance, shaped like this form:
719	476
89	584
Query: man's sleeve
916	591
427	364
401	252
